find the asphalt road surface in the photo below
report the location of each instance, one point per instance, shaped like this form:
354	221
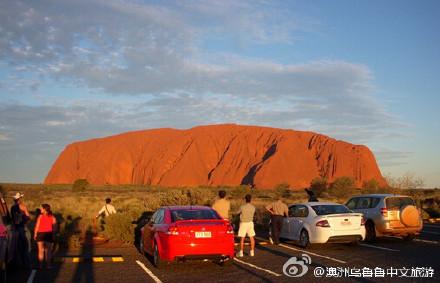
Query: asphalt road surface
390	257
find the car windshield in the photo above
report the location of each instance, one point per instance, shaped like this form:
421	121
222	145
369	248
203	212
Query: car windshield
193	214
398	202
330	209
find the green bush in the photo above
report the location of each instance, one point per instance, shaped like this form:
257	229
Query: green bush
80	185
173	197
186	197
119	226
370	186
342	187
318	186
283	190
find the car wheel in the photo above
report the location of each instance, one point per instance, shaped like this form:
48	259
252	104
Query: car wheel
409	237
354	243
226	262
157	261
370	232
304	239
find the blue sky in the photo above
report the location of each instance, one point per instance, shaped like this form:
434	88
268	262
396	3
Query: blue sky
361	71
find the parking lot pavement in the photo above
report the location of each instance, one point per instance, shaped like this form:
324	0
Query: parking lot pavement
128	265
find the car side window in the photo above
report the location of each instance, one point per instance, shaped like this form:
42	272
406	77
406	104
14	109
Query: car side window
154	217
374	202
291	210
351	204
160	217
303	211
298	211
363	203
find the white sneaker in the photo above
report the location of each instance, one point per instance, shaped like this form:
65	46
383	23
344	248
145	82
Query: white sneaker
240	254
252	253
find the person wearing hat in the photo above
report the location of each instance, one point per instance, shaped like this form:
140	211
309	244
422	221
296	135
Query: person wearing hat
20	246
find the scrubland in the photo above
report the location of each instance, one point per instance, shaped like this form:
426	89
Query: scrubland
76	206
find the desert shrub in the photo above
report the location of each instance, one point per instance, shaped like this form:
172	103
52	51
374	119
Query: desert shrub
151	203
342	187
238	192
200	196
119	226
80	185
370	186
283	190
318	186
173	197
185	197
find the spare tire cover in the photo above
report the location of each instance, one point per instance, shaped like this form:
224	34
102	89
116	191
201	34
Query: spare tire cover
409	216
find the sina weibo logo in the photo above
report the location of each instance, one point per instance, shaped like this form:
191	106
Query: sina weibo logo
297	267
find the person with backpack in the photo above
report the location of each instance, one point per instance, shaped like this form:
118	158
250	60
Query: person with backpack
107	209
44	234
19	244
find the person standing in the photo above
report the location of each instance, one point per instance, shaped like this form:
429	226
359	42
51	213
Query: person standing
278	210
19	244
107	209
44	234
222	205
247	212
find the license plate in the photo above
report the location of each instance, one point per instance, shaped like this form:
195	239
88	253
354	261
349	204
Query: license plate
346	223
203	234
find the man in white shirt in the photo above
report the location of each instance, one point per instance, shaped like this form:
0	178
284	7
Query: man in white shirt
107	209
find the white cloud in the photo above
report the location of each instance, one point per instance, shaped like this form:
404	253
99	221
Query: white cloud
4	137
157	51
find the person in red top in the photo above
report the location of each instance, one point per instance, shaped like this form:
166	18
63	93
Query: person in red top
44	234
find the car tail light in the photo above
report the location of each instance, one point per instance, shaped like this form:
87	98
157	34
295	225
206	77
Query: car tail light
230	230
173	231
384	211
322	223
362	221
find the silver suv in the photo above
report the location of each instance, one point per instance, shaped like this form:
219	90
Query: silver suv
388	214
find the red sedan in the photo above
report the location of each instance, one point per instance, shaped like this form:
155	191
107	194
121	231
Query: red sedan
187	232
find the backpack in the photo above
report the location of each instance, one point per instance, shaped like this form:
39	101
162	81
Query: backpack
18	217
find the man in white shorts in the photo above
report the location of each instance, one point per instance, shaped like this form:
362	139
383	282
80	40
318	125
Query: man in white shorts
246	212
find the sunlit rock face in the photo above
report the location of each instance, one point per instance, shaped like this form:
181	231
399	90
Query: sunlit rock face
214	155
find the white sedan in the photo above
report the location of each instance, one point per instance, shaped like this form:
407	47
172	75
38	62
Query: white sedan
322	222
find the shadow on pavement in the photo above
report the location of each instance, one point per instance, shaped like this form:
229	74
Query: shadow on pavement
84	270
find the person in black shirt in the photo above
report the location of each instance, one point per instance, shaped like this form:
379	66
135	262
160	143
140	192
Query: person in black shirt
19	246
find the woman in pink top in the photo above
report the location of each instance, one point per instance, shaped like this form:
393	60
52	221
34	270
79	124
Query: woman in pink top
44	234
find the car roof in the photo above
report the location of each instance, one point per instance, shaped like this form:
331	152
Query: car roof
379	195
187	207
316	203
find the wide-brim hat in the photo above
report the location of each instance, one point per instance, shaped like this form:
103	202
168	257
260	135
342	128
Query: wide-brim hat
18	196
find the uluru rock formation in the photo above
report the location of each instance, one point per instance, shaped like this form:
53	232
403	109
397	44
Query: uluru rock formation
214	155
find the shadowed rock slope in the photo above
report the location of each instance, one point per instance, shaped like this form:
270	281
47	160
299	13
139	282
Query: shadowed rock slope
214	155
